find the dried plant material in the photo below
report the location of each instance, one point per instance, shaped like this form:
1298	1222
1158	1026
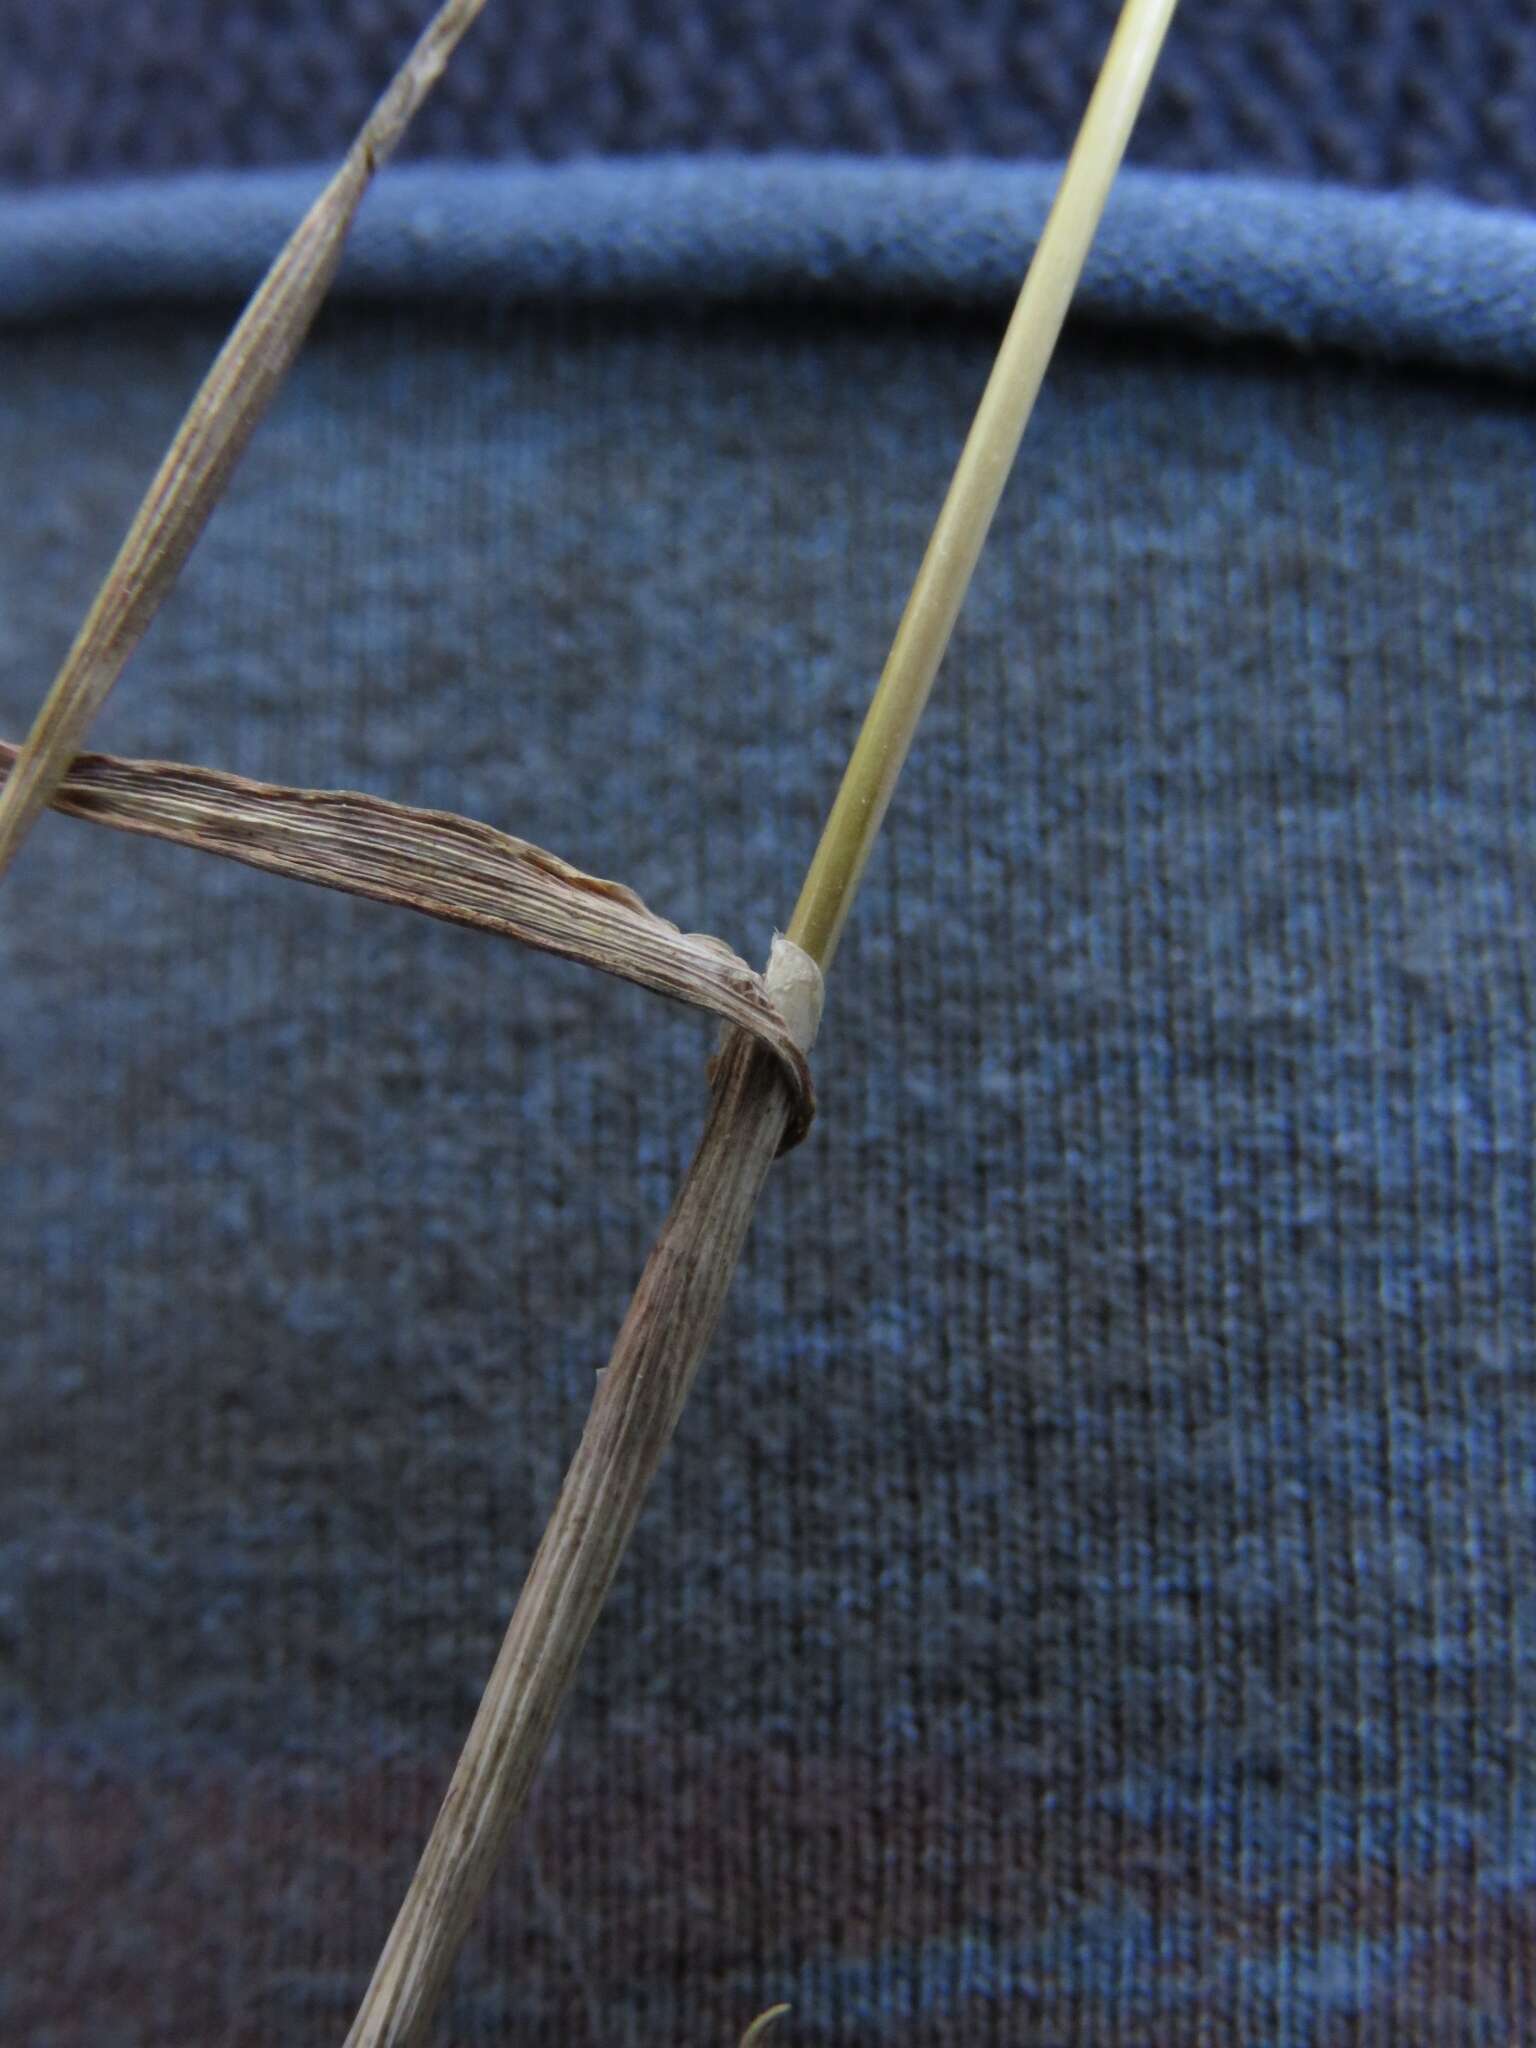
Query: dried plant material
458	870
452	868
191	479
640	1394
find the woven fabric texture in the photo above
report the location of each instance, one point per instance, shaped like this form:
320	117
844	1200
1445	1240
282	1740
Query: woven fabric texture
1088	1603
1378	93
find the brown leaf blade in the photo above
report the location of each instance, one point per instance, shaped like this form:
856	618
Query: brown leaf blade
441	864
196	468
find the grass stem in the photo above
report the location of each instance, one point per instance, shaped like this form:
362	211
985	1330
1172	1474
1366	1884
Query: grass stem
990	447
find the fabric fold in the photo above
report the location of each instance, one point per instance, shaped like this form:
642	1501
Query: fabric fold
1402	277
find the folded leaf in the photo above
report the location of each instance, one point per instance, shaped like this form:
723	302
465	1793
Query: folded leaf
437	862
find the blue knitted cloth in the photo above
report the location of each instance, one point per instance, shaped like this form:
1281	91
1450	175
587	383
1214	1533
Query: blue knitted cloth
1088	1602
1376	93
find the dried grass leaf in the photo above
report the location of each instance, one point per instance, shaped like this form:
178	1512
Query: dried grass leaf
437	862
225	413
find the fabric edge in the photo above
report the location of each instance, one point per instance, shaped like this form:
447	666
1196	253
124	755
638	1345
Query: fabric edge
1400	278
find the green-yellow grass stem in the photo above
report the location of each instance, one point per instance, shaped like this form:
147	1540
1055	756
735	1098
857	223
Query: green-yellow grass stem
980	475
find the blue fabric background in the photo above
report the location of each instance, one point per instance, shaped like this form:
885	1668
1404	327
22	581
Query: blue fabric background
1089	1599
1374	93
